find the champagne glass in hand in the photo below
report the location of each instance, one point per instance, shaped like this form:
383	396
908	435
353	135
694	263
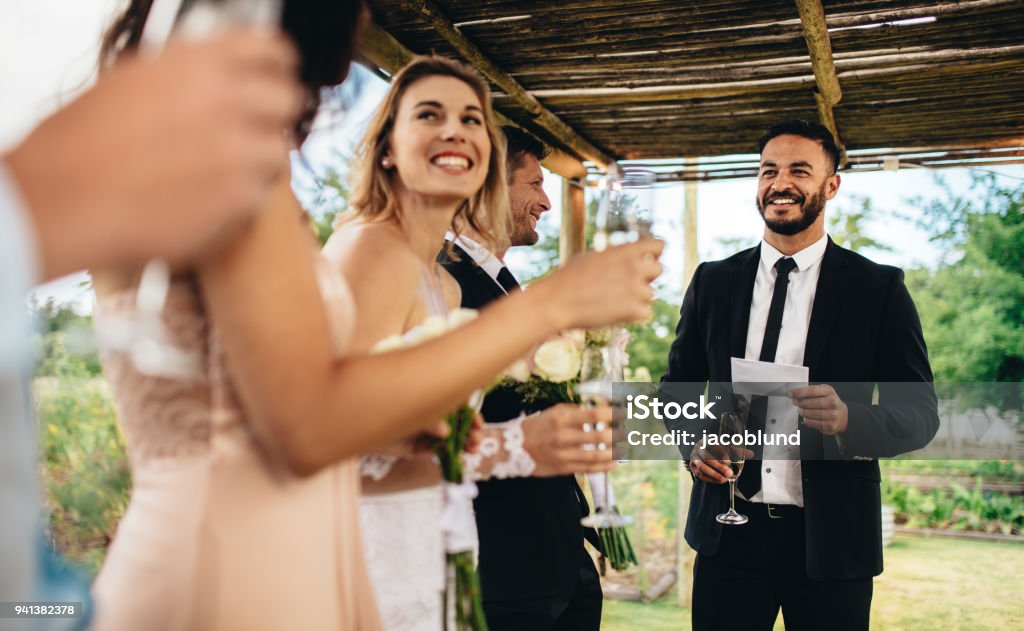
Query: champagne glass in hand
148	342
731	434
625	209
601	367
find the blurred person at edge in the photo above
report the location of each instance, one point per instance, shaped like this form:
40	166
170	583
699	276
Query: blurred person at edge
245	488
203	156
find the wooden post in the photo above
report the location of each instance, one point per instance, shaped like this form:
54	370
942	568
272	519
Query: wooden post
574	219
684	555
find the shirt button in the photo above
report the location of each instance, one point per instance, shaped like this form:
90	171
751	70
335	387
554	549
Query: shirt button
768	470
773	420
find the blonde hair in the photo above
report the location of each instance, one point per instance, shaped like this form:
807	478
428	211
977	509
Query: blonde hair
373	194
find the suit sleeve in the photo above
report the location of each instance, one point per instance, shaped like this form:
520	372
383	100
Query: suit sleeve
906	417
687	372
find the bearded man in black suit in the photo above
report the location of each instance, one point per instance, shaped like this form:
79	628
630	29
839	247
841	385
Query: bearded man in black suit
534	570
813	542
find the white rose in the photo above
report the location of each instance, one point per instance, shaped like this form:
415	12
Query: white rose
578	336
519	371
433	326
458	317
558	360
390	343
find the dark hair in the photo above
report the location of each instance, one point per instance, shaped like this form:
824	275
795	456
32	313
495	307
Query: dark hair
811	131
324	32
519	143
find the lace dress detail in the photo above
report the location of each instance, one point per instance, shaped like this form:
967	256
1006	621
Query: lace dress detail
217	535
403	543
517	462
160	417
406	534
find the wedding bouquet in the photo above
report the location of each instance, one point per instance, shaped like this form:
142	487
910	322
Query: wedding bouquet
462	585
555	373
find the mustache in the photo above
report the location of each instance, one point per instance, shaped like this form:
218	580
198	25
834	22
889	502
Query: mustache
770	197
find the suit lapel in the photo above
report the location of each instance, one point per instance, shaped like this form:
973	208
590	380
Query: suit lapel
741	280
482	277
828	298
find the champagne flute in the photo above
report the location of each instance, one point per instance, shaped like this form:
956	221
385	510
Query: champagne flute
600	368
625	210
733	425
149	343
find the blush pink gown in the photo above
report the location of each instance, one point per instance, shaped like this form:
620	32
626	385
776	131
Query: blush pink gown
217	536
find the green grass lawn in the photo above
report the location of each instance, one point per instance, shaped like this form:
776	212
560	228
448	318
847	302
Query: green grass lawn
928	584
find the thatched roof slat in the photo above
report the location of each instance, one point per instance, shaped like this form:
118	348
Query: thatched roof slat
661	78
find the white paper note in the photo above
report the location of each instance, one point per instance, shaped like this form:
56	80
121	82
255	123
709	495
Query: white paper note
767	378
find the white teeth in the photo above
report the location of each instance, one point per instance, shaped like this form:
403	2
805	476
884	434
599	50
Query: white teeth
457	162
782	200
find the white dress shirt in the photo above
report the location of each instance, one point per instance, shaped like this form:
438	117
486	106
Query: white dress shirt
483	257
781	478
19	496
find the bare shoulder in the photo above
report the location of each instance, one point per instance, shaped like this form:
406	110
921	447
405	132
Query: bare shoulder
372	253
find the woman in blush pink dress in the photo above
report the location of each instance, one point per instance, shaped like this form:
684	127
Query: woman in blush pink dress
244	508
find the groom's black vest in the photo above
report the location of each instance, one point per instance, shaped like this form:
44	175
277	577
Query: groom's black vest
530	534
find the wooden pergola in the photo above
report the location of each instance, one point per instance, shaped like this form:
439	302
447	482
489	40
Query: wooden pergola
917	83
934	83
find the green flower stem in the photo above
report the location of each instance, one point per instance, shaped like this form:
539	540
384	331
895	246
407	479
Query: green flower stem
469	608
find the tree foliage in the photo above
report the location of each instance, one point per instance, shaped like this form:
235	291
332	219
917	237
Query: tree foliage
63	341
972	306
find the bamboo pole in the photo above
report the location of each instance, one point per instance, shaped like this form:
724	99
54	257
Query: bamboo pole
828	94
685	556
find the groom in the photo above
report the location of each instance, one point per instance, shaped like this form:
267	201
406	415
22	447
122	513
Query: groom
534	570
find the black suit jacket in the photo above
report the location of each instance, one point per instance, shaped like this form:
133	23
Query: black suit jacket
530	533
864	330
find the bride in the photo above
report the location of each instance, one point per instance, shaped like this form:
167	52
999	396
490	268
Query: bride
432	160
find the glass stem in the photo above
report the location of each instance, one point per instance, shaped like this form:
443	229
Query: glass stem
607	495
732	495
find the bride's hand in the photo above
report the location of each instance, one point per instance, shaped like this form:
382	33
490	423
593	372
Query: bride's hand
555	439
423	443
476	434
600	288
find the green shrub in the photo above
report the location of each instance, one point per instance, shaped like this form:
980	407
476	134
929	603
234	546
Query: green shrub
85	474
955	507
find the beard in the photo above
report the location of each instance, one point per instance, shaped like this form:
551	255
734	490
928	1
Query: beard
521	231
810	208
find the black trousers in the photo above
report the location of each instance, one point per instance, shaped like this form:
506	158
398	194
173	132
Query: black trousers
578	611
760	568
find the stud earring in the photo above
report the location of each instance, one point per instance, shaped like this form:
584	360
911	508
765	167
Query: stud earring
386	162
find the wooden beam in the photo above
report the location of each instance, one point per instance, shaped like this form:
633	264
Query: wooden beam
561	163
378	47
539	115
819	46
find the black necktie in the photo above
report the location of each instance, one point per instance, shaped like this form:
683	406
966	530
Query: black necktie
750	482
507	281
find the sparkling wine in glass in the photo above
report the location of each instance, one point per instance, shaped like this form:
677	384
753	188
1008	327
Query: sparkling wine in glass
733	427
625	210
600	368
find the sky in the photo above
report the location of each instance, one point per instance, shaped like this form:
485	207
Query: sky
47	55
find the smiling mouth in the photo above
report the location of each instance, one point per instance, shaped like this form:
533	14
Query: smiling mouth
782	201
452	162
